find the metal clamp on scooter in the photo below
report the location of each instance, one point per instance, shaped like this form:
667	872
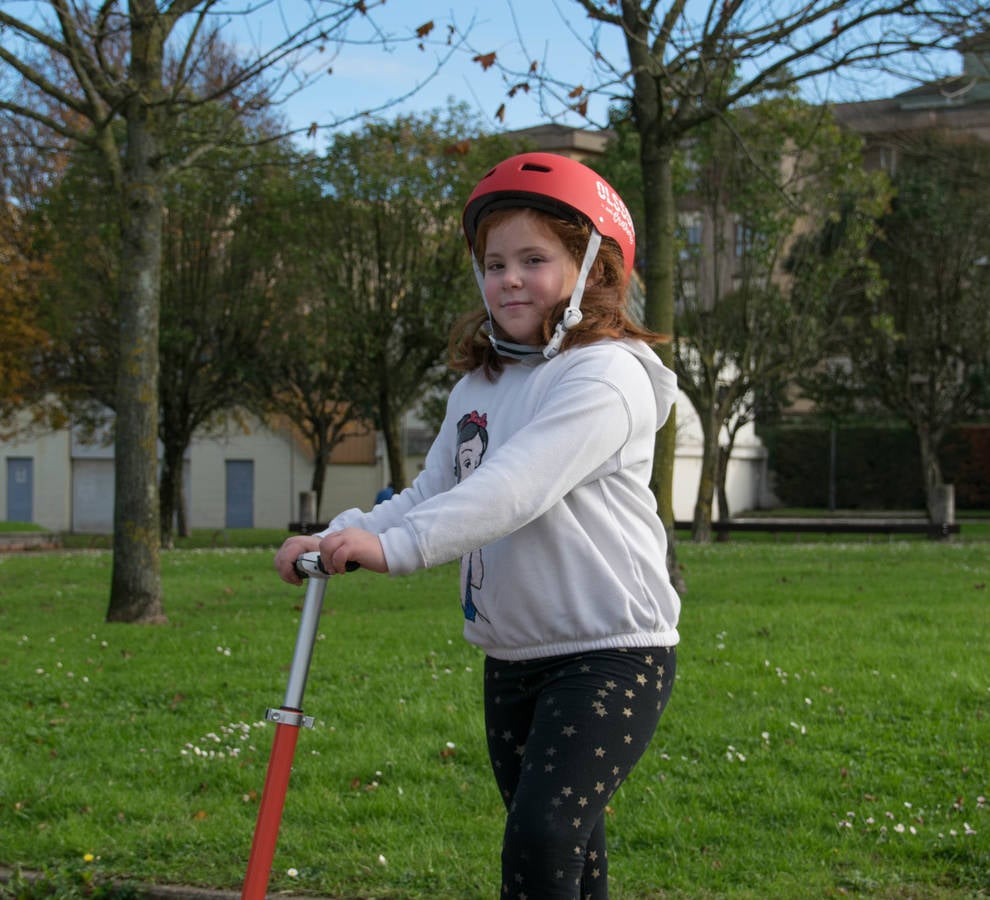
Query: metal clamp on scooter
289	717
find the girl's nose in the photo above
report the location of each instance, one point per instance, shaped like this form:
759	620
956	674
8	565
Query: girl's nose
511	276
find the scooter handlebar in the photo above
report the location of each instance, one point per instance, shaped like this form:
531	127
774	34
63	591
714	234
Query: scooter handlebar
310	565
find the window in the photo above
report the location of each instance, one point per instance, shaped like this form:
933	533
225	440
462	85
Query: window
692	235
744	239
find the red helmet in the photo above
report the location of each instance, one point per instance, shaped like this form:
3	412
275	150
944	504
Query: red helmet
557	185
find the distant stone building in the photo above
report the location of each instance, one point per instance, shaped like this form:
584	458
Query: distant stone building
958	105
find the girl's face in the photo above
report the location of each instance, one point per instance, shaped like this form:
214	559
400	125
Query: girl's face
469	455
527	272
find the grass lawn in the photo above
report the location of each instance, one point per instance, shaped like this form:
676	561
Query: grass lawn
827	735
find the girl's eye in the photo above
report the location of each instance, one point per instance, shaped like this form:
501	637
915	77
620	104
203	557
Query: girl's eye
534	260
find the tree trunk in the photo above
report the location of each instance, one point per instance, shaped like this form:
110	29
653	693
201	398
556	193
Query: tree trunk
392	432
701	527
170	493
721	477
658	243
181	520
931	471
321	459
136	591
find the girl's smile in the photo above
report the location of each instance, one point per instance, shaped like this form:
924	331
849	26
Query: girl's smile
527	272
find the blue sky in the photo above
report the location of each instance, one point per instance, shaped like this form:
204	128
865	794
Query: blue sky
365	76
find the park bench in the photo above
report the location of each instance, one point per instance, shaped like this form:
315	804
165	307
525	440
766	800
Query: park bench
831	525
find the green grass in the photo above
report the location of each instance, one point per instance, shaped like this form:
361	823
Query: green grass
198	539
827	735
7	526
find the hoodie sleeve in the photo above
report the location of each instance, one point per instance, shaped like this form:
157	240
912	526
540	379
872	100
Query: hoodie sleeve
581	430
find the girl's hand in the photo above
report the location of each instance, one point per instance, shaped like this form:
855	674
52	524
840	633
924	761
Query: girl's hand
352	545
289	552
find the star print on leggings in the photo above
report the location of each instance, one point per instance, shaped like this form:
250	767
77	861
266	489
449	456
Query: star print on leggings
563	735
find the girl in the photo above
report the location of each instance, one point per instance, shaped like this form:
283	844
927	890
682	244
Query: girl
564	579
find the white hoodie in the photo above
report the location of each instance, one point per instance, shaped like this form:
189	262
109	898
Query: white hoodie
544	495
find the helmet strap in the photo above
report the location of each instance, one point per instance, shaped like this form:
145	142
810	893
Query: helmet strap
572	315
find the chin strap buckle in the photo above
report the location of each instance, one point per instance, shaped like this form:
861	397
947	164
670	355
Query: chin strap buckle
572	317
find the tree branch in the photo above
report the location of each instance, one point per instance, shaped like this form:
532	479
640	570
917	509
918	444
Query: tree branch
97	88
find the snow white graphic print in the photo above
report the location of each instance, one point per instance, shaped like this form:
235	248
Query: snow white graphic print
472	441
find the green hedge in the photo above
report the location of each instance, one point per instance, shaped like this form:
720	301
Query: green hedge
876	467
967	465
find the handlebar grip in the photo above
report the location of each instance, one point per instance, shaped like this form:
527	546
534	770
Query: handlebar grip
310	565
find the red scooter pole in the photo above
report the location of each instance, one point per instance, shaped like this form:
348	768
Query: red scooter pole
288	720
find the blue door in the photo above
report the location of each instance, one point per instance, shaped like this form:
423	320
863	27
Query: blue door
240	493
20	489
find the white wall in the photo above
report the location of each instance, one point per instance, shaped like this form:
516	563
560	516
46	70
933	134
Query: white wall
275	462
51	474
73	482
746	479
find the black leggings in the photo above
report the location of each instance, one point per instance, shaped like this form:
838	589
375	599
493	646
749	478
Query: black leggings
563	733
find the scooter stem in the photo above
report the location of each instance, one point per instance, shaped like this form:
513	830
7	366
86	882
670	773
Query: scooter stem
288	719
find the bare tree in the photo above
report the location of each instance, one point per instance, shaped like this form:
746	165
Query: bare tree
116	78
683	64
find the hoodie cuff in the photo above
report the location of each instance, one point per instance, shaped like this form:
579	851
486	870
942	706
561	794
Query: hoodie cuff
402	553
